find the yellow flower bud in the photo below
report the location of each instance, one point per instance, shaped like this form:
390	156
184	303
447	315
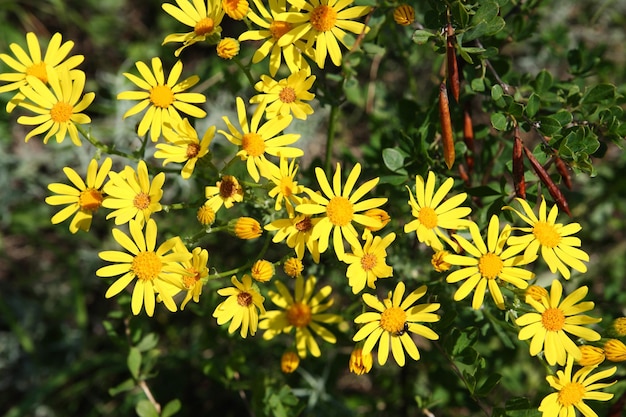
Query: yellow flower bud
359	363
206	215
591	355
228	48
293	267
619	326
536	292
404	15
438	261
615	350
289	362
245	228
262	270
235	9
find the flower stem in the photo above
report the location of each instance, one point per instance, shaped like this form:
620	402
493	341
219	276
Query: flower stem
110	150
330	138
246	70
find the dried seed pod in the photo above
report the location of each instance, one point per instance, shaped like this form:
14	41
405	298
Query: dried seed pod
518	166
562	168
554	191
468	138
463	175
446	126
453	67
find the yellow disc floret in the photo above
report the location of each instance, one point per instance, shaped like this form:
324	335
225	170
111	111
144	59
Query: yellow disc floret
340	211
146	265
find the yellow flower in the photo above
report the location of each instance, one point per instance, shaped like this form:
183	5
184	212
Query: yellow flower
298	233
132	195
58	110
572	391
286	188
432	214
558	247
241	308
360	363
548	327
393	322
368	263
293	267
305	311
615	350
235	9
536	292
590	355
286	96
228	48
262	270
205	17
151	269
289	362
341	208
205	215
164	99
488	265
379	214
322	23
226	192
404	15
197	274
31	64
84	199
246	228
257	141
184	146
438	261
271	31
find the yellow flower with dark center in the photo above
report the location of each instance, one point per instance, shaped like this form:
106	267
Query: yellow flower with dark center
197	274
271	31
82	200
204	17
305	311
488	265
553	320
262	270
58	108
573	390
558	247
404	15
286	96
153	269
293	267
590	355
32	64
615	350
226	192
360	363
256	141
297	231
394	320
368	263
132	195
242	307
341	207
246	228
235	9
289	362
432	214
184	146
321	23
163	98
227	48
286	187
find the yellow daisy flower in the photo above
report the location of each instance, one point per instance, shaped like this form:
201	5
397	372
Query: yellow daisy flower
257	141
573	390
235	9
286	96
132	195
298	233
271	31
341	209
58	110
152	269
225	192
432	214
241	308
305	311
367	264
321	23
197	274
164	99
31	63
84	199
488	265
184	146
548	327
286	188
204	16
558	247
393	323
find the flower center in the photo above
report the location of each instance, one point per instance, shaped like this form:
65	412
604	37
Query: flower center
61	112
253	144
299	315
244	299
141	201
189	281
228	188
278	28
146	265
368	261
553	319
161	96
39	71
427	217
192	150
490	265
90	199
571	394
393	320
287	95
204	26
340	211
286	186
546	234
304	225
323	18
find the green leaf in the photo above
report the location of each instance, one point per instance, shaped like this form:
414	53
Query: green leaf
520	407
563	117
499	121
148	342
124	386
393	159
598	94
171	408
145	408
488	384
478	85
134	362
496	92
458	341
421	36
548	125
459	13
532	106
543	82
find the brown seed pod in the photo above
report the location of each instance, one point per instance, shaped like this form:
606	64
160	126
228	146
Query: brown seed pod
547	181
468	138
453	67
518	166
562	168
446	126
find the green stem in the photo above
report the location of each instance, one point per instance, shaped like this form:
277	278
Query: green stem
110	150
245	70
330	138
